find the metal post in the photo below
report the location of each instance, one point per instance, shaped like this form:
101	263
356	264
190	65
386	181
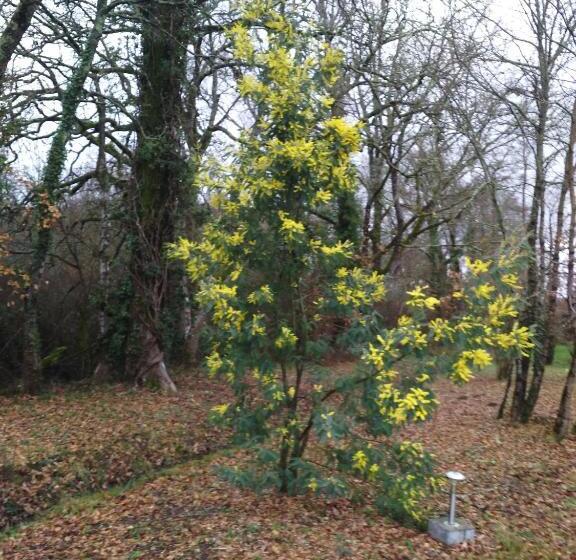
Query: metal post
454	477
452	512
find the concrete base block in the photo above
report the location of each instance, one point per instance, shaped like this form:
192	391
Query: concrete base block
442	531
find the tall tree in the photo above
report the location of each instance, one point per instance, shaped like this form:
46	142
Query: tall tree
47	194
159	172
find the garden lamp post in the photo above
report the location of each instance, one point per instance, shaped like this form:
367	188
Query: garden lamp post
450	529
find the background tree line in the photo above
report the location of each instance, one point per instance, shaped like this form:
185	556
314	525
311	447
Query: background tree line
110	108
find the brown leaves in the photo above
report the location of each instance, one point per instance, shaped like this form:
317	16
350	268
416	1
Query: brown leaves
69	444
520	492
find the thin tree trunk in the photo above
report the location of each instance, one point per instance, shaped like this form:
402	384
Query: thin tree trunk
502	408
505	367
102	370
47	196
554	281
193	339
438	268
565	417
526	390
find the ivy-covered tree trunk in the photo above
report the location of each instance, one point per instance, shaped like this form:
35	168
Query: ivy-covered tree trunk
46	198
159	172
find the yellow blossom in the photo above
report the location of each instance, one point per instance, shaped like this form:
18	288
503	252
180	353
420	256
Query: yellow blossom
346	133
359	460
286	339
289	227
477	267
221	409
511	280
419	298
484	291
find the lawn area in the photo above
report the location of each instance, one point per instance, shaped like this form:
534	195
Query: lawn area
131	475
561	358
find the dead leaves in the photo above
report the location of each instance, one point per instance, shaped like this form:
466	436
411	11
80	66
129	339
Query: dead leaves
520	493
71	444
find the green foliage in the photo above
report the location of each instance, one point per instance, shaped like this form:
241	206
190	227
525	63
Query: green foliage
270	272
54	356
119	310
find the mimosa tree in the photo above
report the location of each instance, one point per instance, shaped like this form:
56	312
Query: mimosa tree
273	275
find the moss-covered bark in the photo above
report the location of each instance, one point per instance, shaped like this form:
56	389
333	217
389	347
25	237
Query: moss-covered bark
47	195
159	172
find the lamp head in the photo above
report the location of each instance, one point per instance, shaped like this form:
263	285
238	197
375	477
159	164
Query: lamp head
455	476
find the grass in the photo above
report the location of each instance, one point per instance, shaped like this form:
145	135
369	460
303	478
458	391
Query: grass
562	357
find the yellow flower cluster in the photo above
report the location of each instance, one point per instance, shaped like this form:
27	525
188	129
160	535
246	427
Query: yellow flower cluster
243	48
511	280
415	403
286	339
221	409
414	449
461	370
484	291
262	295
340	248
502	308
330	64
516	338
441	330
298	152
347	134
221	297
356	287
322	196
413	337
290	228
419	298
477	267
359	460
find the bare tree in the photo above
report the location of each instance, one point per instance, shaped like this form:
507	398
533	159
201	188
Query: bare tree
14	31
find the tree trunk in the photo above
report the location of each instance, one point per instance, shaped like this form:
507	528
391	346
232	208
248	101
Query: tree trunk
102	370
565	416
159	173
193	338
504	368
47	195
154	364
438	268
554	281
526	390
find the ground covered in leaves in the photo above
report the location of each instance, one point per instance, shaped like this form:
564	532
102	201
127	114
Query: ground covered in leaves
66	457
